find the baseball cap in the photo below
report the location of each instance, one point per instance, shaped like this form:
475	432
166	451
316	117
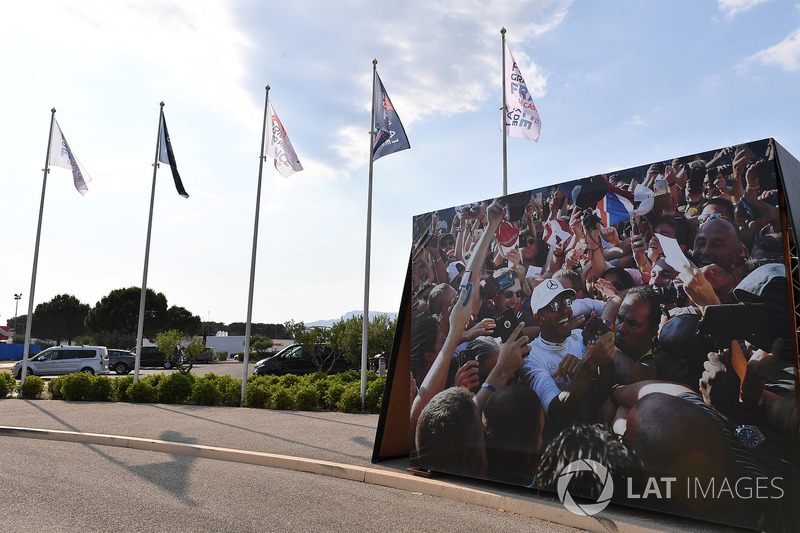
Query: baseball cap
546	292
454	269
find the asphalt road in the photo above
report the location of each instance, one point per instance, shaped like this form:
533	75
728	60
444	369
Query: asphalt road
71	487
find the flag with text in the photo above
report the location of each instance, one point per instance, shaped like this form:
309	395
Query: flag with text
279	147
390	136
522	118
61	155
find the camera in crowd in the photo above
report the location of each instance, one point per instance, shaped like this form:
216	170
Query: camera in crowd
696	172
673	294
586	195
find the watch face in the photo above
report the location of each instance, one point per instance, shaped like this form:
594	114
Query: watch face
748	436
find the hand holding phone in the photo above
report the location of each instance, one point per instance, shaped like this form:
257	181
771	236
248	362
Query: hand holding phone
465	285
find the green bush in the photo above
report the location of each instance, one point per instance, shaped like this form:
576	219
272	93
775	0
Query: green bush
258	394
222	356
153	380
350	401
77	386
55	388
119	388
205	392
100	389
281	398
348	376
32	388
306	399
374	394
289	380
333	394
7	384
231	390
175	388
142	392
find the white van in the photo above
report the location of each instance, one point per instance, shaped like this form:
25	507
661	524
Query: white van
66	360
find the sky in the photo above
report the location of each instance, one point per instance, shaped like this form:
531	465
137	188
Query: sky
617	84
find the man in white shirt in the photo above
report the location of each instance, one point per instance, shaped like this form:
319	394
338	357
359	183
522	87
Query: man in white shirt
561	366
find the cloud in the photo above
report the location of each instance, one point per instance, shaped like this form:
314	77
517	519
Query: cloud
731	8
785	55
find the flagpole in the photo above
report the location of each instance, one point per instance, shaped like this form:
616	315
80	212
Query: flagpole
247	327
504	112
143	294
365	319
29	318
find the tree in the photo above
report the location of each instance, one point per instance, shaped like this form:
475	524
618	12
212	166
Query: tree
182	319
21	321
346	335
179	348
119	312
260	344
62	318
273	331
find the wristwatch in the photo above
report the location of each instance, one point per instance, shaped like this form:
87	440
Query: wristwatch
749	436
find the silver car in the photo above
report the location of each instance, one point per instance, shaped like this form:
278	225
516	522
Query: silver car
66	360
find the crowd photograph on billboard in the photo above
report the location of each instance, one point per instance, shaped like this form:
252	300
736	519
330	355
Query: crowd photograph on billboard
625	338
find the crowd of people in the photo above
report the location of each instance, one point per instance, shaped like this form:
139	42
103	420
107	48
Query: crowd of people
548	328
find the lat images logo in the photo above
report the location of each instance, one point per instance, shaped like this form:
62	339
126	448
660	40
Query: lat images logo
600	472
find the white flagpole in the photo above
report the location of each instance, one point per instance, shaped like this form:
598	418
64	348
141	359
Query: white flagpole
365	328
29	318
247	327
504	112
143	295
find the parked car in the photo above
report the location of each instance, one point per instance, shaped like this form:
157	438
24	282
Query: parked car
295	360
65	360
121	361
151	357
206	356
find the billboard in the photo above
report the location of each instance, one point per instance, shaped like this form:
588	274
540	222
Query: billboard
628	337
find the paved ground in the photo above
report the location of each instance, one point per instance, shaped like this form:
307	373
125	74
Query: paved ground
333	444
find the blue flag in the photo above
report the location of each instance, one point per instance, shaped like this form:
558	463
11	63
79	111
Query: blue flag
390	137
166	156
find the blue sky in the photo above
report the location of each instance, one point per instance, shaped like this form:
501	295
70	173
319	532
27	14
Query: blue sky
617	84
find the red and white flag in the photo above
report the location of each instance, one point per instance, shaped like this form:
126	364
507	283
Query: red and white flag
278	147
61	155
522	118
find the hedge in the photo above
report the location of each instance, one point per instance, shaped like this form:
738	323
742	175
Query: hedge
313	392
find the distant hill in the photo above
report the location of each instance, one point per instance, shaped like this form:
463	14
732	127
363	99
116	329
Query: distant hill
329	323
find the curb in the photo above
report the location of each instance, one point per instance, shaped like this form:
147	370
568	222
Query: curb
529	507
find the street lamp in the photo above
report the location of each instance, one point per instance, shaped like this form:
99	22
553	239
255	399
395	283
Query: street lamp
16	307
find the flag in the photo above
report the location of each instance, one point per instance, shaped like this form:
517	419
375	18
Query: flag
522	119
556	232
279	147
390	137
166	156
614	208
61	155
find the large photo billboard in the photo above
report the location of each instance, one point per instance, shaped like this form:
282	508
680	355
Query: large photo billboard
627	337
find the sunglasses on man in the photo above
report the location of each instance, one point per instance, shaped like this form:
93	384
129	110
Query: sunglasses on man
557	305
510	294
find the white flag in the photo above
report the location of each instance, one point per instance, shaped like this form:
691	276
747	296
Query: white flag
279	147
62	156
522	119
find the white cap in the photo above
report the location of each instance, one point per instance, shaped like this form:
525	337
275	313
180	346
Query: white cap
546	292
